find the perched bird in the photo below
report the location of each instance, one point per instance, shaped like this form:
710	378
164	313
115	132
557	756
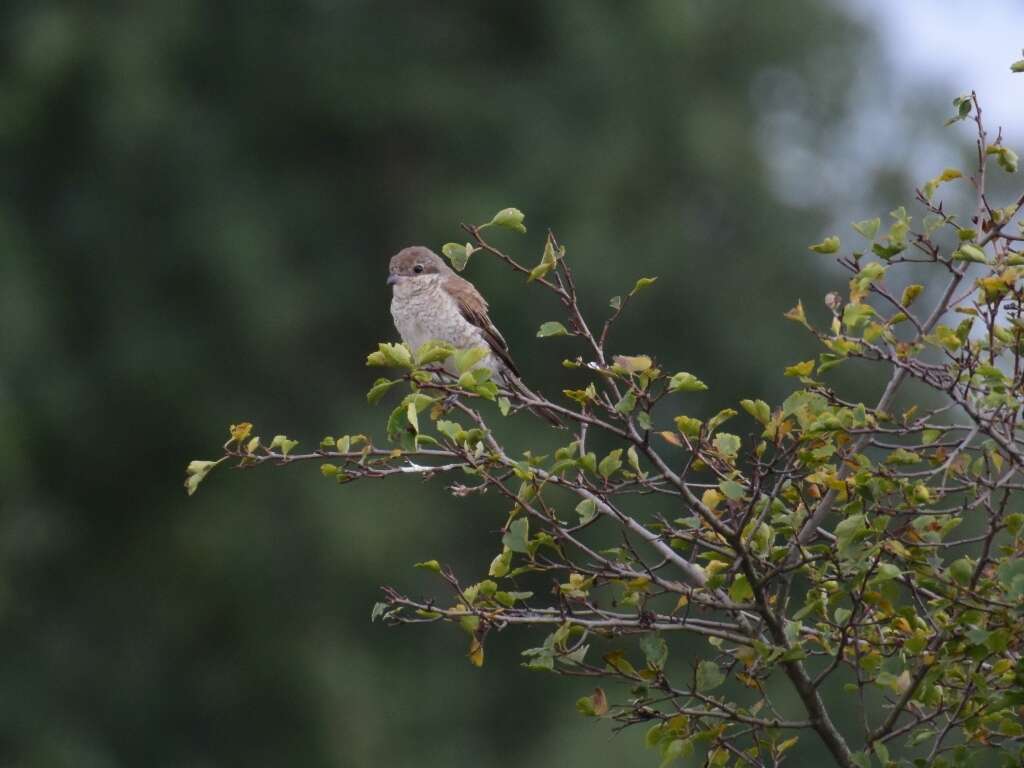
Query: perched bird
430	301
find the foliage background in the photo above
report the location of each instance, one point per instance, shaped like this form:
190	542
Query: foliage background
196	207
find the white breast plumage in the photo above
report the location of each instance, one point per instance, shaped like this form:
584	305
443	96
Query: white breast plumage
430	313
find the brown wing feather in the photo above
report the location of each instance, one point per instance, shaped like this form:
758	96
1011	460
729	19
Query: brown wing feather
473	307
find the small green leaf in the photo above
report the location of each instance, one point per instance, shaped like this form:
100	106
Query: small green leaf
378	390
806	368
910	293
195	473
551	328
433	351
828	245
547	262
510	218
457	254
466	359
709	676
759	409
642	283
587	510
688	425
674	750
283	444
655	650
517	536
504	406
429	565
970	252
397	355
740	589
868	228
903	457
727	445
686	382
610	464
733	491
961	571
627	403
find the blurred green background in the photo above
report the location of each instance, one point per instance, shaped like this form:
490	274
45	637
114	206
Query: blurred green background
197	203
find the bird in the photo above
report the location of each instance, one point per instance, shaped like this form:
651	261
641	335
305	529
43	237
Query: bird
431	302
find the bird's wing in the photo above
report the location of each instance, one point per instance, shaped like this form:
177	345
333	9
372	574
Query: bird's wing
473	307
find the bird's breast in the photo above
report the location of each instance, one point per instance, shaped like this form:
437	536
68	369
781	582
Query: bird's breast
432	313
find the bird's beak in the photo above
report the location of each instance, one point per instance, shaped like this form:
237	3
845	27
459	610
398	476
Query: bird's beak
392	279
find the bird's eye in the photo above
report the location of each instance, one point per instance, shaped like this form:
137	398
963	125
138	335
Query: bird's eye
418	268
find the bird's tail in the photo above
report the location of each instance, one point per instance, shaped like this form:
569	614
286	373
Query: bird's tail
516	385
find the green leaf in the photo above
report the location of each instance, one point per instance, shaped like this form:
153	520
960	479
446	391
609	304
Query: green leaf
910	293
674	750
378	390
902	456
587	510
433	351
510	218
806	368
397	355
655	650
457	254
740	589
282	443
828	245
969	252
195	473
688	425
466	359
429	565
552	328
961	571
500	564
516	538
849	532
758	409
548	261
504	405
962	106
610	464
1005	156
868	228
727	445
1011	576
733	491
887	572
709	676
720	418
856	316
797	314
1017	66
627	403
686	382
632	363
642	283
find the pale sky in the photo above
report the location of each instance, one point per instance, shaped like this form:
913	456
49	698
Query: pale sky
931	51
959	43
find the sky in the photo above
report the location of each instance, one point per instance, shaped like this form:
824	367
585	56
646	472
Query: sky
929	51
961	44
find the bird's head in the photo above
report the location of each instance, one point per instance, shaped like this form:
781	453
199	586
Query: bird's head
413	265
